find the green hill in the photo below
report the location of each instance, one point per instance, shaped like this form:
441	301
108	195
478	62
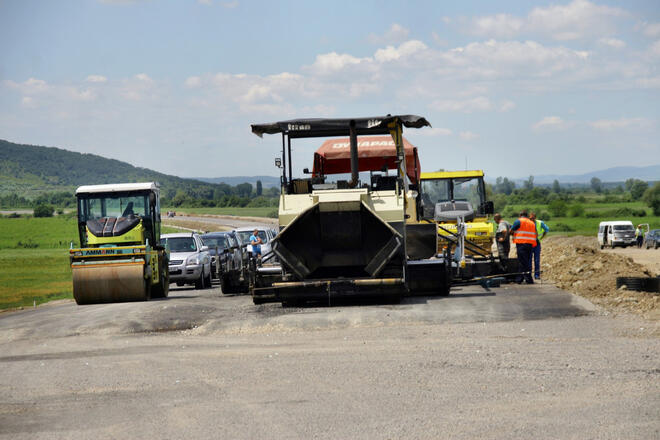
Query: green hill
29	170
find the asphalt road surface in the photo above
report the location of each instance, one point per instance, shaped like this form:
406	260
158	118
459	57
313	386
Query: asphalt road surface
513	362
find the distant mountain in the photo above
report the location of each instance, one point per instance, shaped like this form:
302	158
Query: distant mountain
266	181
616	174
29	170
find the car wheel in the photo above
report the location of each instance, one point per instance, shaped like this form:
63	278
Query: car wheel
199	283
225	283
207	281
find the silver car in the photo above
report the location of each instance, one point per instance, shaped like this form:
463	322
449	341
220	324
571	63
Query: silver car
190	261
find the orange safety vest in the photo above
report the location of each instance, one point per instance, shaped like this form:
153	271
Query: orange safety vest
526	233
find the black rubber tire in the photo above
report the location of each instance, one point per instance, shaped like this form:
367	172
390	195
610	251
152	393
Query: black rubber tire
162	289
641	284
199	283
208	282
225	283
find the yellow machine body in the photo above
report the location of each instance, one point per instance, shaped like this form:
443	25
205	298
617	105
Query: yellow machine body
479	229
121	258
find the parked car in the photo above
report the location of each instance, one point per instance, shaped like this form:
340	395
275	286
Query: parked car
652	239
220	249
190	261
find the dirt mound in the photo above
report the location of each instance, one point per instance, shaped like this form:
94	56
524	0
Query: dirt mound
577	265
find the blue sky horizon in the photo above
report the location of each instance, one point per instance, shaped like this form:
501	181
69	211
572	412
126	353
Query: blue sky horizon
514	88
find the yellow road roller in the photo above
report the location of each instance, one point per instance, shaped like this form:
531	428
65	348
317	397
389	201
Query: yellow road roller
120	258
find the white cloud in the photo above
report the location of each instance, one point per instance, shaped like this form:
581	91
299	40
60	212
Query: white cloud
96	79
390	53
654	49
230	5
205	2
193	81
551	123
28	102
506	106
333	62
81	95
438	39
499	25
651	30
576	20
618	124
30	86
479	103
395	34
468	136
612	42
435	131
143	77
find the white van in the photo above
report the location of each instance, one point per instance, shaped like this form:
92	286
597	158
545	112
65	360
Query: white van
618	233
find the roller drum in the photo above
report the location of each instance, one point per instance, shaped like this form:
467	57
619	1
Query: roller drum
110	283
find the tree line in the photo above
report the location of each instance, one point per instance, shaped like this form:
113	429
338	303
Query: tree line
222	195
567	200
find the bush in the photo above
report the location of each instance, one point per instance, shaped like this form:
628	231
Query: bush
652	198
273	214
576	210
562	227
544	215
44	210
593	214
558	208
510	212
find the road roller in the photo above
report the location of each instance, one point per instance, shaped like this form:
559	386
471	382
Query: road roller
120	256
343	234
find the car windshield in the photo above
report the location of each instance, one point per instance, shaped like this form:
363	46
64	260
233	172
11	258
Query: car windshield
179	244
623	228
213	242
94	207
245	236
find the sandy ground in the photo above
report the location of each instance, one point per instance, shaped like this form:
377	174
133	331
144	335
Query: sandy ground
648	257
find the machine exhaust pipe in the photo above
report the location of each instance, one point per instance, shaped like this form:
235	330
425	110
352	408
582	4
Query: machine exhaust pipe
355	171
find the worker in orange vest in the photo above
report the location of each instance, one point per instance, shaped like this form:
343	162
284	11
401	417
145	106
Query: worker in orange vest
524	236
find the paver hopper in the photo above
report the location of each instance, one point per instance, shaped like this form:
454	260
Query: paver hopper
346	238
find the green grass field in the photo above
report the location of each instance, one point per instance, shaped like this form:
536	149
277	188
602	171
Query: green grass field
34	260
240	212
29	275
589	226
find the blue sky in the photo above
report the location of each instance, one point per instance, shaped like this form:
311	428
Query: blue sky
515	88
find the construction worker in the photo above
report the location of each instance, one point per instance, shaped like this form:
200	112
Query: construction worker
541	230
524	236
502	239
639	235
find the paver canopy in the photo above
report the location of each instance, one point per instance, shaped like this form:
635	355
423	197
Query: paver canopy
374	153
